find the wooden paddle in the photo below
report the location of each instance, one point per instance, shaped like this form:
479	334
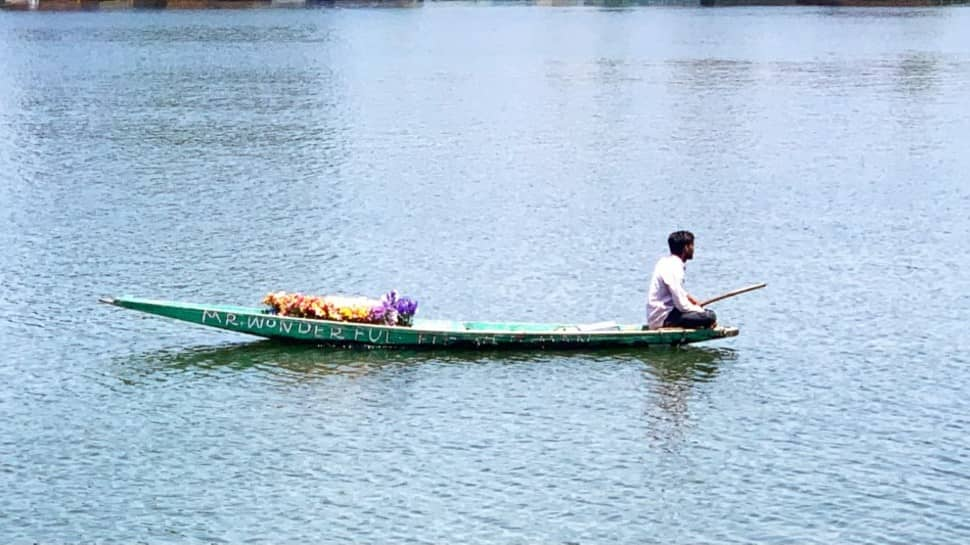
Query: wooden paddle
733	293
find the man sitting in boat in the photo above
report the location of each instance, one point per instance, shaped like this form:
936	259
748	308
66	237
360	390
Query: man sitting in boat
668	303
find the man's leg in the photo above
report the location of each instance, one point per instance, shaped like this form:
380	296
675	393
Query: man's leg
692	320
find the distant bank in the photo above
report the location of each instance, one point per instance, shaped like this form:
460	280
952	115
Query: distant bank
94	5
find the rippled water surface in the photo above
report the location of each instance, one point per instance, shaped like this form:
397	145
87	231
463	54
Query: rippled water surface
495	162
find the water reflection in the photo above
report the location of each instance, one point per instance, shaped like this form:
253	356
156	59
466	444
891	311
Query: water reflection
899	8
689	364
673	379
95	5
667	382
917	73
301	361
900	11
665	365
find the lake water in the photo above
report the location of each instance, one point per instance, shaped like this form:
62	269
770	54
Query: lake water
494	162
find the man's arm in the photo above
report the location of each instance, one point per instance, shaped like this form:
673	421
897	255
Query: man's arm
682	300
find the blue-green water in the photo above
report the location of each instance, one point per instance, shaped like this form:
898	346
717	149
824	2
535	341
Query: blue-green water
495	162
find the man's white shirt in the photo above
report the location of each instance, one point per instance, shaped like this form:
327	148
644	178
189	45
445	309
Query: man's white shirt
667	291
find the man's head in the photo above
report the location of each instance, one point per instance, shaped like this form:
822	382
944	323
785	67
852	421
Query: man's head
681	244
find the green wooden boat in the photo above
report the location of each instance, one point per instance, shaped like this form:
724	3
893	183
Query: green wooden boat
423	333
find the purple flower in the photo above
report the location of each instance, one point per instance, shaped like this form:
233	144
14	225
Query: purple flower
394	310
389	298
383	314
377	313
406	306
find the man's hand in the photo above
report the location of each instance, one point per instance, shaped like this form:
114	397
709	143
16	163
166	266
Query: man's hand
692	300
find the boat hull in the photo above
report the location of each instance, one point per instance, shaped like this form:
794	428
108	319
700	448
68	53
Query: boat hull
424	333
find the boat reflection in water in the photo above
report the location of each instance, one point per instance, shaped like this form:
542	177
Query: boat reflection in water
676	380
664	365
667	383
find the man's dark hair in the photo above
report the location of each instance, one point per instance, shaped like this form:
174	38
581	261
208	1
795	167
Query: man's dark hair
678	240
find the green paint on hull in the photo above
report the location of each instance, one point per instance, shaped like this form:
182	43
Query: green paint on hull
424	333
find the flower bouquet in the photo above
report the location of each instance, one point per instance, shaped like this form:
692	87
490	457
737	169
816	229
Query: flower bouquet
388	310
